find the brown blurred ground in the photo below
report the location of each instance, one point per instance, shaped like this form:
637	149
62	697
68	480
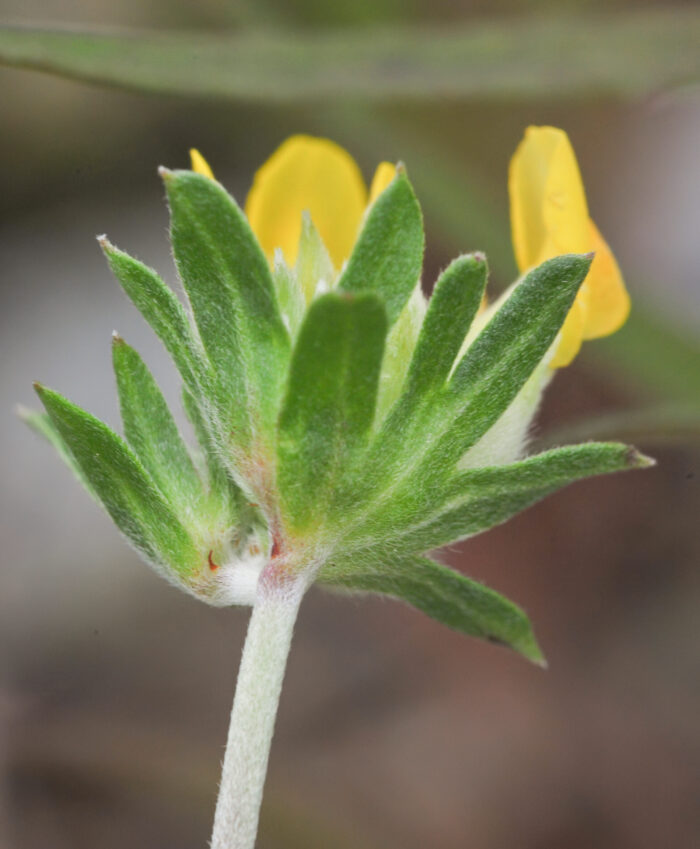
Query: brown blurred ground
393	732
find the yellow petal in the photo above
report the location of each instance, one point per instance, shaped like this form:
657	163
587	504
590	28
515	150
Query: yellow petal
200	164
385	173
571	336
312	174
549	215
608	303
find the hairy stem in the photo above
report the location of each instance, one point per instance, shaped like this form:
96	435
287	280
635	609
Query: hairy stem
253	713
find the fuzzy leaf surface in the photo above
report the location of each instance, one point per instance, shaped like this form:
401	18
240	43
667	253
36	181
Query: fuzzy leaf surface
221	484
398	350
478	499
162	310
508	349
445	595
451	310
493	370
228	282
313	262
388	255
122	485
151	431
289	294
330	401
417	453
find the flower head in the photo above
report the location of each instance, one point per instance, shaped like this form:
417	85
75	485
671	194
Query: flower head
345	426
549	217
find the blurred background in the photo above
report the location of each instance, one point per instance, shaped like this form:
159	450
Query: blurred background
393	732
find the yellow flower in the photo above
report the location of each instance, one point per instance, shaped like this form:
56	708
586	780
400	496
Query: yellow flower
549	216
314	175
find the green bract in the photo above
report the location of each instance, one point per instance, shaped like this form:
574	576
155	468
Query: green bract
344	429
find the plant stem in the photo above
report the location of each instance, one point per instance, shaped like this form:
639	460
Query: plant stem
253	713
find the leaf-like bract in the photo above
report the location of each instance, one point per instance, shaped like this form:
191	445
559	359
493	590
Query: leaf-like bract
388	255
120	482
330	401
162	310
229	285
445	595
151	431
506	352
451	310
476	500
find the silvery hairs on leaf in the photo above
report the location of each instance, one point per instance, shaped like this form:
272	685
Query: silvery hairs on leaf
344	426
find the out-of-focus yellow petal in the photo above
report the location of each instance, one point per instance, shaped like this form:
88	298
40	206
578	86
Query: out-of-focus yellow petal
312	174
571	336
549	215
200	164
608	303
526	186
385	173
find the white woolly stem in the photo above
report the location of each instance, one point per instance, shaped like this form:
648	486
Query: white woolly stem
253	713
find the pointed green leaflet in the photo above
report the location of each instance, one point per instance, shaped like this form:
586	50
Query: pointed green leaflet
151	431
229	285
445	595
123	486
330	401
388	254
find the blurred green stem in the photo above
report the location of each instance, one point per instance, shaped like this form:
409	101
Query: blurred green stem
630	53
254	711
